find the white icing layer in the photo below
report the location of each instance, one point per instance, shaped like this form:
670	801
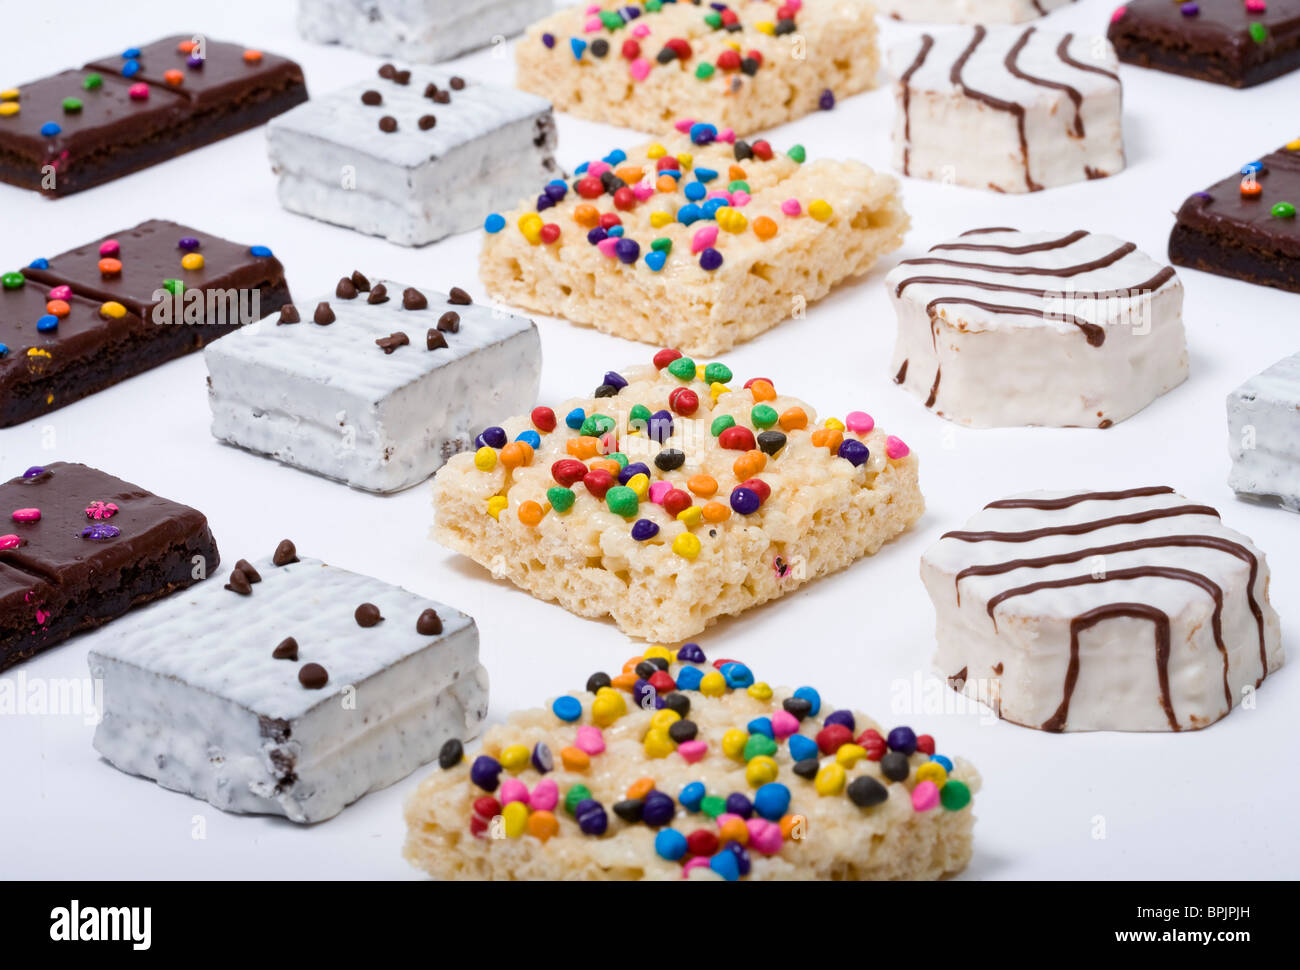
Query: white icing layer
1113	600
1068	329
1264	434
194	699
968	11
329	400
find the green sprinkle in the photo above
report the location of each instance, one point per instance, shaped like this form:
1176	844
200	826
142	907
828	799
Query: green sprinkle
13	281
713	805
1258	33
954	795
577	793
71	105
740	185
713	19
662	245
619	457
640	413
611	20
759	745
797	153
721	423
622	501
654	6
683	368
174	287
595	425
717	374
92	82
763	416
561	498
704	70
1283	210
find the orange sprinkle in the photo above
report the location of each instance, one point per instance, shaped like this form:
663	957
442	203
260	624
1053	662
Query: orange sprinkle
763	391
517	453
575	759
530	513
58	308
735	174
666	183
749	464
640	788
586	215
1250	187
733	829
624	681
793	419
174	77
715	512
827	438
252	57
186	46
703	485
629	173
583	446
109	266
630	663
764	228
543	825
607	464
788	823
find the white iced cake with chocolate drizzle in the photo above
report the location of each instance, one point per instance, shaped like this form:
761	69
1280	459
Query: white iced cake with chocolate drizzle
1134	610
1001	328
1005	108
968	11
1264	435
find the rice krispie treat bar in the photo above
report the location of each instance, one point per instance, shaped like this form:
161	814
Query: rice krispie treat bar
678	768
670	497
750	65
699	241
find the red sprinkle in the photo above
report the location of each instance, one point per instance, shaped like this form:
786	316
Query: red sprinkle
831	737
701	842
750	382
631	49
729	17
737	438
666	356
684	401
566	471
680	47
662	682
549	233
761	150
624	198
925	743
598	482
543	418
667	163
755	56
728	60
758	487
609	220
589	187
676	501
875	746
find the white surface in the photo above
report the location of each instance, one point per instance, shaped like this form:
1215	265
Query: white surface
1209	804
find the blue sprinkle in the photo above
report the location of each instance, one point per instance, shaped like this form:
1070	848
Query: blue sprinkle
670	844
706	174
47	323
494	223
761	725
1252	168
567	708
941	760
801	747
130	53
4	351
726	865
692	795
532	437
812	697
689	213
711	207
695	191
737	675
261	252
670	171
581	168
702	133
39	263
50	129
615	231
688	678
616	157
655	259
575	418
130	68
771	800
577	45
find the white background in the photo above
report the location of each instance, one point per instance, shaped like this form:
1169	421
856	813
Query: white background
1213	804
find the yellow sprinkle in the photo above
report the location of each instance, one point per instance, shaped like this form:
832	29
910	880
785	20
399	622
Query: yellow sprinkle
485	459
660	651
38	352
712	684
515	816
692	515
820	210
766	27
9	94
760	691
664	719
699	368
530	224
515	757
655	151
113	310
932	771
608	708
760	771
640	484
733	45
687	546
1293	146
733	743
850	754
685	160
716	390
496	505
829	780
192	261
661	219
732	220
8	108
835	424
658	744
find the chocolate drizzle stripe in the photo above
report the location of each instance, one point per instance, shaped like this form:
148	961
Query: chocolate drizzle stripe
1083	528
1064	272
1071	92
1063	52
1013	108
1094	334
927	42
1042	247
1054	504
902	374
934	388
988	229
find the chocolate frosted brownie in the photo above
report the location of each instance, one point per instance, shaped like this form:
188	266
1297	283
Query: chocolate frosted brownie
1235	42
79	547
1245	226
88	318
122	113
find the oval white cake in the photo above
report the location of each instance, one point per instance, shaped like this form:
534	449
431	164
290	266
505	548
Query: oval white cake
968	11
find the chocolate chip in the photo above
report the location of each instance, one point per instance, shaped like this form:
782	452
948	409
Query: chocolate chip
246	567
682	731
239	583
441	97
388	123
429	623
457	83
378	294
402	77
392	341
387	71
360	282
323	315
770	442
670	459
427	122
451	754
800	707
606	390
749	66
864	791
678	703
371	98
285	553
599	47
807	768
288	314
313	676
895	766
458	297
413	299
367	614
742	151
630	810
430	89
287	650
345	290
449	322
434	340
598	680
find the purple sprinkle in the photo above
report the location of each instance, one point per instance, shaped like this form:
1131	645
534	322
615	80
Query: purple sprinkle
597	234
827	100
34	471
544	201
542	758
194	61
744	500
633	469
630	13
188	243
1190	9
710	258
548	40
556	190
614	379
854	452
644	529
840	717
691	653
99	532
627	250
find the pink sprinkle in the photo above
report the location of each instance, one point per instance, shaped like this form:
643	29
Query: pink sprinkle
784	724
597	169
791	207
1256	6
109	248
794	5
684	125
590	739
639	69
859	422
764	836
27	515
1118	14
593	8
727	135
513	790
704	238
722	194
592	25
643	190
640	30
10	541
607	245
695	862
658	490
61	293
693	751
139	92
101	510
42	616
739	198
545	796
895	448
726	817
925	796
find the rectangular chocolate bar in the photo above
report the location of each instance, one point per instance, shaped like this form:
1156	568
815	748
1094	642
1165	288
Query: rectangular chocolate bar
79	547
1239	43
81	321
1245	226
76	129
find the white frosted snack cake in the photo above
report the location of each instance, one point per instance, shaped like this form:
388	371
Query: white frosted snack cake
699	241
999	328
1005	108
678	768
1132	610
412	155
749	65
969	11
293	690
1264	435
672	497
377	387
425	31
